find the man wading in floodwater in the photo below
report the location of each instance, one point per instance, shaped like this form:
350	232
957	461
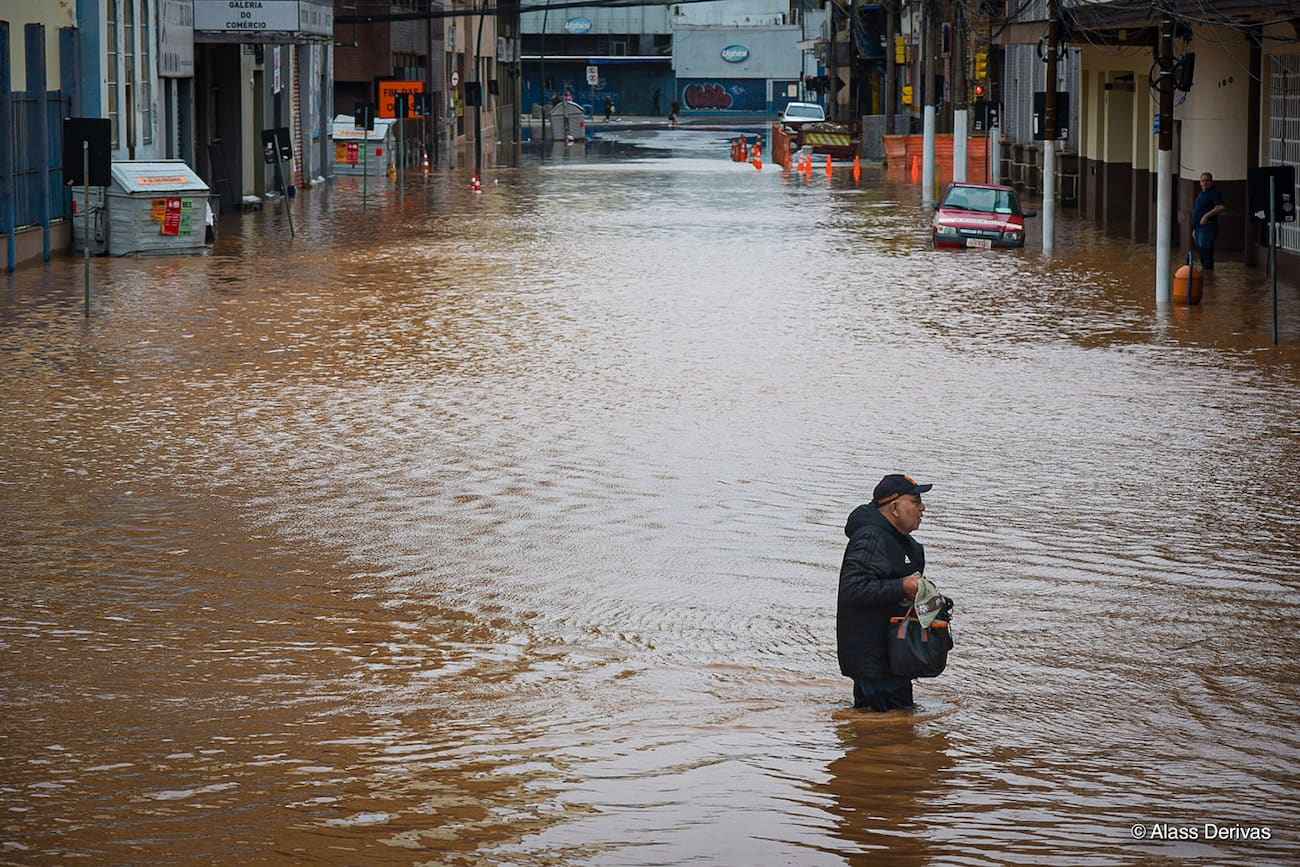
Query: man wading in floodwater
882	567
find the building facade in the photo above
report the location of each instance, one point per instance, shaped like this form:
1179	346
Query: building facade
728	55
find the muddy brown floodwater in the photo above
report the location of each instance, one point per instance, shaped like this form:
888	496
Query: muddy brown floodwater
505	529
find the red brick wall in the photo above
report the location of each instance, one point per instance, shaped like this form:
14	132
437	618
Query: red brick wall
371	58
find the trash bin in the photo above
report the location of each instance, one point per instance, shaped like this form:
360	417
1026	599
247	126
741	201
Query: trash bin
156	206
358	150
566	120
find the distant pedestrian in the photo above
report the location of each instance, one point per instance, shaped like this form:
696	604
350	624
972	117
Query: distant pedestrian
1205	220
676	109
609	108
658	100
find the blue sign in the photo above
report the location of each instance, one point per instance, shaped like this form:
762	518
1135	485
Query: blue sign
577	25
735	54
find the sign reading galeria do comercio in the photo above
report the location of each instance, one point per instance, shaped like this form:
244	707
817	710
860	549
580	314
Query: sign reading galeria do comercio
264	16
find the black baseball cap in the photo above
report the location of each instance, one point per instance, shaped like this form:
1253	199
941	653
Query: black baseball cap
895	485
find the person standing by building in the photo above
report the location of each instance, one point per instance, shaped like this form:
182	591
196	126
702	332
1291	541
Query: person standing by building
882	568
1205	220
675	109
609	107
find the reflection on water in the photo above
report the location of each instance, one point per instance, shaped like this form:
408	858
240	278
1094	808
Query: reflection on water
505	529
910	759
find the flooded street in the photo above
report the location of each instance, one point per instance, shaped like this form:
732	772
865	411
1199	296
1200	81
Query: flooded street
506	529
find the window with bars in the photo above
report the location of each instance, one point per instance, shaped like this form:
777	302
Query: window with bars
1284	131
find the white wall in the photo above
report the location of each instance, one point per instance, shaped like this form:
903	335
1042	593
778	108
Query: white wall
1217	108
773	52
732	13
631	19
53	16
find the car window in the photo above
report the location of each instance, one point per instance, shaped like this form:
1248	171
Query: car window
982	200
811	112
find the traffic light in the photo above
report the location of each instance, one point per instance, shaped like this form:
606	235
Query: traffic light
981	65
980	90
900	49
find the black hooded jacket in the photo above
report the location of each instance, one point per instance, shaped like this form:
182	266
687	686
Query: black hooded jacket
876	561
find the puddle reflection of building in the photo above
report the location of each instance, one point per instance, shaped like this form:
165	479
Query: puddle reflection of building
886	785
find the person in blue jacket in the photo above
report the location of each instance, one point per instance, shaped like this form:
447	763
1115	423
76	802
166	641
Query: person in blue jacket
879	576
1205	220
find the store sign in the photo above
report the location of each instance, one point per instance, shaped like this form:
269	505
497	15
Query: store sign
388	92
176	39
577	25
264	16
735	54
315	18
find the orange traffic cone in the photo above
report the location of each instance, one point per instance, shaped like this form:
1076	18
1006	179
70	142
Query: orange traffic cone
424	164
828	165
916	168
744	148
475	184
857	168
758	163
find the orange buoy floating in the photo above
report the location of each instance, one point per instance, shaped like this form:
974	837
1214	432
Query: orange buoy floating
1180	285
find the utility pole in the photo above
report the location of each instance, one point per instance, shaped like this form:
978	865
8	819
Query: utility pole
891	70
482	94
961	99
1049	129
928	100
1164	160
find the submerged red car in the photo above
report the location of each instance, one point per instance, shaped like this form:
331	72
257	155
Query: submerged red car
981	216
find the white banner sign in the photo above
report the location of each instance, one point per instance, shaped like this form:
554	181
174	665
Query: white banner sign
176	39
251	16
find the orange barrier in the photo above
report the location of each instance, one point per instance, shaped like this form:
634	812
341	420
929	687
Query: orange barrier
904	151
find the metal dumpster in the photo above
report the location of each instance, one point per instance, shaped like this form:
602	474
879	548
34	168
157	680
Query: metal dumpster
358	150
158	206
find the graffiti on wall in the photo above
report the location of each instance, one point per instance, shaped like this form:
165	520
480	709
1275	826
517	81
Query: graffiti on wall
728	94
